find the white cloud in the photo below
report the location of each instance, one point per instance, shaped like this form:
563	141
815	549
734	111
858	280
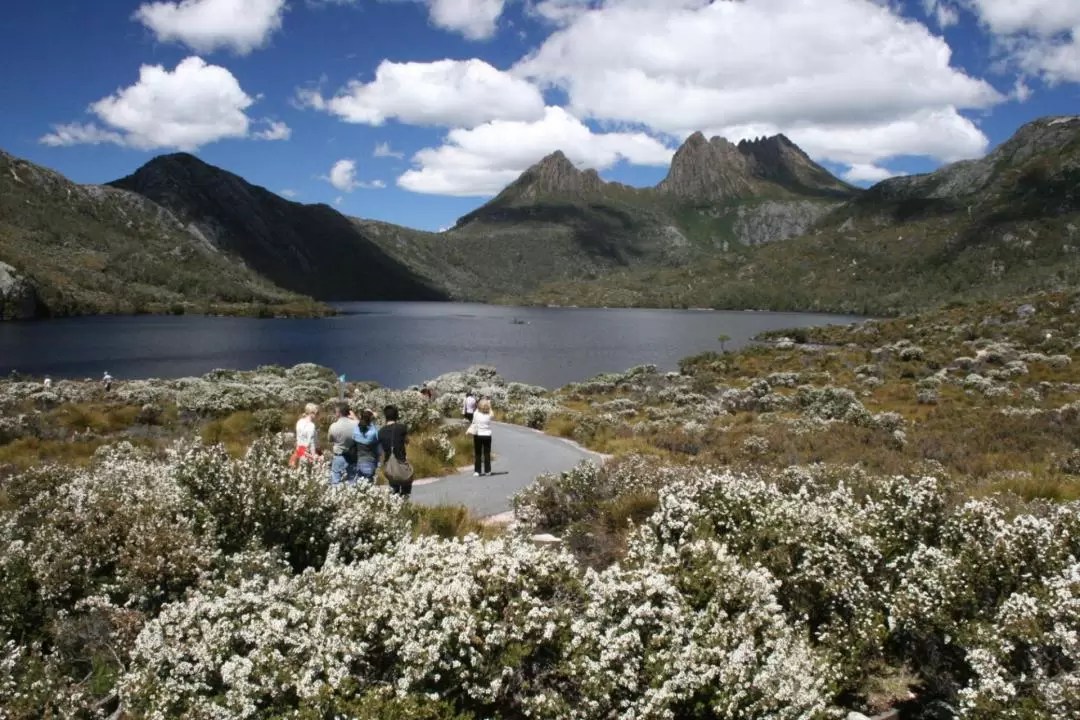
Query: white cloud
1041	37
338	200
291	194
80	134
383	149
191	106
474	19
868	173
276	131
852	76
944	14
460	93
343	177
483	160
208	25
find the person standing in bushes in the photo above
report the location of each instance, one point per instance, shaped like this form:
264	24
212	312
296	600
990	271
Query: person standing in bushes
469	407
393	438
367	445
306	435
480	429
342	433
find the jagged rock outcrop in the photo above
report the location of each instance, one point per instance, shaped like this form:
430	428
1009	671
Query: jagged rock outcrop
310	249
555	174
709	170
18	298
778	160
717	170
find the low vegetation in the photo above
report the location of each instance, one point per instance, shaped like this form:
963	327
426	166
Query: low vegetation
859	518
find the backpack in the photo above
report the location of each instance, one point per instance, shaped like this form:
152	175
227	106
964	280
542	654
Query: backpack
396	471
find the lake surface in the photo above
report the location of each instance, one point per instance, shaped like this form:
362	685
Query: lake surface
394	343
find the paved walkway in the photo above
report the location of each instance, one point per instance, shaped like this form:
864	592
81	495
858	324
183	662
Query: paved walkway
520	454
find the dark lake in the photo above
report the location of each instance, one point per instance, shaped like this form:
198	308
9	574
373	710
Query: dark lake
393	343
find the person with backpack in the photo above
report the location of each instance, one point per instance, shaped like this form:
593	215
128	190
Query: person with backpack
367	445
343	445
393	438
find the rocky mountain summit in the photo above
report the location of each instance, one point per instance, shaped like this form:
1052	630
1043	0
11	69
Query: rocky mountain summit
1005	224
310	249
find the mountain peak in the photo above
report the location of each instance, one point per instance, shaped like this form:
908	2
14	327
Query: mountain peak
554	174
708	170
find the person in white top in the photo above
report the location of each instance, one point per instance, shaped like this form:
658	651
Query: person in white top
481	432
306	434
469	407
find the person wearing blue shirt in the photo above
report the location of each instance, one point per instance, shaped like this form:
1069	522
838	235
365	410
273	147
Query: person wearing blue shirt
366	436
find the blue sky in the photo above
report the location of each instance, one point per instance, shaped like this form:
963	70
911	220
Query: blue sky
460	96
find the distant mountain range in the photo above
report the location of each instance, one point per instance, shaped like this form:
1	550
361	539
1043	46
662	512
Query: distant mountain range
753	224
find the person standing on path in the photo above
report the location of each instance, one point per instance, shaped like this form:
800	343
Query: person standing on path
393	438
306	435
481	432
342	432
469	407
367	445
106	380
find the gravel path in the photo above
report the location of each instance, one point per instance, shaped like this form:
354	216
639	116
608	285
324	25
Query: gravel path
520	454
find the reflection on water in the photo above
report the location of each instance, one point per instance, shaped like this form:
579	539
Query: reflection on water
395	344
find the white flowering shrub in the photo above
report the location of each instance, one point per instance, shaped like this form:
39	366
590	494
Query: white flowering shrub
484	624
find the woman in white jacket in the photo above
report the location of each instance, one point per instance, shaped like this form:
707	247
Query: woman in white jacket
481	432
305	435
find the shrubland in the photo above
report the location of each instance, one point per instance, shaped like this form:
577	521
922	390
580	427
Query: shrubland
863	518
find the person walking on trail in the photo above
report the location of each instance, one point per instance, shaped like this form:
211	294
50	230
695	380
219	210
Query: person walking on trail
480	429
367	445
342	433
306	435
106	380
469	407
393	439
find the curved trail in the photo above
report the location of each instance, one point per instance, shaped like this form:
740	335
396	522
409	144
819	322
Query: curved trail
519	455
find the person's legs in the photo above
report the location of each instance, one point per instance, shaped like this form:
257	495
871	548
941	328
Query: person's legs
338	468
366	471
350	474
477	450
487	454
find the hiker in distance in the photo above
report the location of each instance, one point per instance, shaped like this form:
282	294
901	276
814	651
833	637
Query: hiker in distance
469	407
480	429
343	444
393	438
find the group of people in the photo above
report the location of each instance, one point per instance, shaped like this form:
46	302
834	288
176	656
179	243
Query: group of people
358	446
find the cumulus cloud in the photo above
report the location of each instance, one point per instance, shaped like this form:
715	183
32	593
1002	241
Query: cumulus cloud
474	19
860	173
457	93
288	193
207	25
383	149
482	160
276	131
191	106
1041	37
847	77
343	177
